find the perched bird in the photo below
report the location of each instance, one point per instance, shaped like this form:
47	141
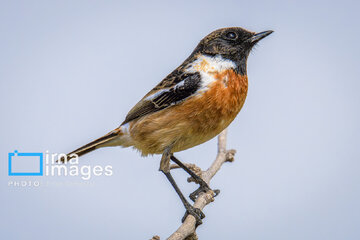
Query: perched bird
190	106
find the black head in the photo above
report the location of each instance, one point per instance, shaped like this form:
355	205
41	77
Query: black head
231	43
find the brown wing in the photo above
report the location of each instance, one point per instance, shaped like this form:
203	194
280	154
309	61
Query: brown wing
172	90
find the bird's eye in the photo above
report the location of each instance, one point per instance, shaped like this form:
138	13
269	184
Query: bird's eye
231	35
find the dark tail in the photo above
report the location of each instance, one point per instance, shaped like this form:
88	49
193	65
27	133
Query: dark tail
100	142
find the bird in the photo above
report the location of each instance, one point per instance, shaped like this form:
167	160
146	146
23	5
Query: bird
190	106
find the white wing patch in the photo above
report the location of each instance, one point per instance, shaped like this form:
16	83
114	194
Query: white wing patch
207	66
158	93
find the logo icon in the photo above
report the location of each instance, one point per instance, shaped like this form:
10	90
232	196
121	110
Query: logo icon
25	164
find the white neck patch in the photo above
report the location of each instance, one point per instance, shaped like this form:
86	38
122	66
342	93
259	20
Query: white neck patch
206	65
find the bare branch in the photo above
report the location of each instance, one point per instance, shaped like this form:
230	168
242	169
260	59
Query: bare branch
187	230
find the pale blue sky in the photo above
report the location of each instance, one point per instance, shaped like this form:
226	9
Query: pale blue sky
71	70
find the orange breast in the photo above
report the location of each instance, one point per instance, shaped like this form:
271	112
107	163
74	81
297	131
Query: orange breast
196	120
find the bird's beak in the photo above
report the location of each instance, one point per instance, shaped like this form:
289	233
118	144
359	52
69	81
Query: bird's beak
258	36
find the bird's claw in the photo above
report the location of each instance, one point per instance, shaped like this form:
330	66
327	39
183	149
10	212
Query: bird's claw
196	213
203	188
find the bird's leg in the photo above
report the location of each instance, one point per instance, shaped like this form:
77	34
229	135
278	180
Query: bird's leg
204	187
165	168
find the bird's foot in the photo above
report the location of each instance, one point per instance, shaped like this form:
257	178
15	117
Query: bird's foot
196	213
204	187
